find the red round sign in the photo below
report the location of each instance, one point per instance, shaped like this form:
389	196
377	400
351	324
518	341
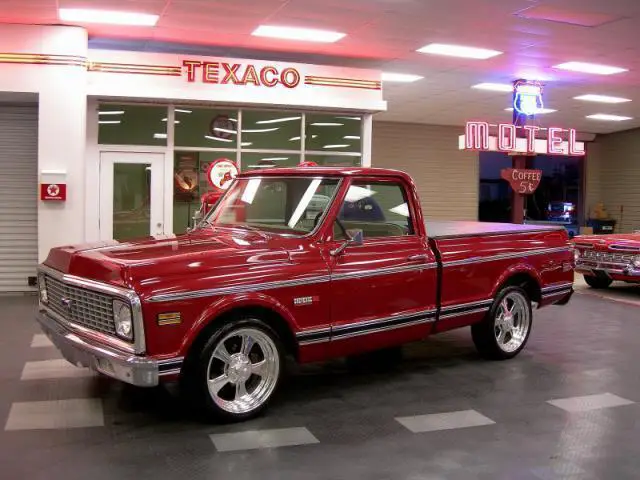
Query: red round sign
221	172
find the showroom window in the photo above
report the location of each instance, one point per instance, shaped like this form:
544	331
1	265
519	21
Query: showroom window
206	128
132	125
253	138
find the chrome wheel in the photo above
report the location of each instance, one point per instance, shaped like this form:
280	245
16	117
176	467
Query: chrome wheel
243	370
512	322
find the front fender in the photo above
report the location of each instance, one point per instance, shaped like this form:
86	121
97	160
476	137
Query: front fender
228	303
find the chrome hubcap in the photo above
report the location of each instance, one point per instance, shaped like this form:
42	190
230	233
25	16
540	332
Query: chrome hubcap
512	322
243	370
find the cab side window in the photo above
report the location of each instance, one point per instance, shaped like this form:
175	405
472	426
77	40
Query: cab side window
379	209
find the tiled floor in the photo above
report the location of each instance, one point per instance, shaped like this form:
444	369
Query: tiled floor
564	409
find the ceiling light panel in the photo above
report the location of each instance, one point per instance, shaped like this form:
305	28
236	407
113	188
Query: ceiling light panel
601	98
608	118
495	87
459	51
400	77
592	68
296	33
112	17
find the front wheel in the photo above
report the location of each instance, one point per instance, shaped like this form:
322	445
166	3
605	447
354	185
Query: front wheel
505	331
598	282
237	371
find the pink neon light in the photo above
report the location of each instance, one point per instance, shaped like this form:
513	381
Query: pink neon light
477	136
573	144
554	141
531	137
506	137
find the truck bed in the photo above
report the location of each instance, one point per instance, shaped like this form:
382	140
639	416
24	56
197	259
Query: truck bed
440	229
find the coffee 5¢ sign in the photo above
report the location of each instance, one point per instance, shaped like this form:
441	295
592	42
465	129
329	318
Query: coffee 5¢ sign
523	181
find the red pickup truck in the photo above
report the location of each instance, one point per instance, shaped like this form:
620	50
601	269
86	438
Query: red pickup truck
309	262
605	258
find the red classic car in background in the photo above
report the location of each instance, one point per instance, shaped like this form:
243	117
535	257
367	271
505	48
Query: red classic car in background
605	258
308	262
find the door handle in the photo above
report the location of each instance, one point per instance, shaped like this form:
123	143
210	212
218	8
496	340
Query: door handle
421	257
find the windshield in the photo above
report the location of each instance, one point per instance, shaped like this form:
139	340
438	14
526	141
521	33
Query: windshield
291	205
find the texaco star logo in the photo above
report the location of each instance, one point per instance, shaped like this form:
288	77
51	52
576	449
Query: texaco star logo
53	190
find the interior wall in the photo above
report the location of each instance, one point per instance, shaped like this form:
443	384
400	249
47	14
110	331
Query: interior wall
615	158
446	178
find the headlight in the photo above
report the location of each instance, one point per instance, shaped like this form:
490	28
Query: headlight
42	289
123	319
576	254
636	261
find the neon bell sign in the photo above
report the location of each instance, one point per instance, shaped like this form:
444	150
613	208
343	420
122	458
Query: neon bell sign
527	98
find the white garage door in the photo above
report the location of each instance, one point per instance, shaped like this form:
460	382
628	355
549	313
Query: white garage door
18	196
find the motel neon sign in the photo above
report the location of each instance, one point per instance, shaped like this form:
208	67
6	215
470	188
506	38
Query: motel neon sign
526	140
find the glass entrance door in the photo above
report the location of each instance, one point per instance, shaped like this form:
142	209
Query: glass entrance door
131	195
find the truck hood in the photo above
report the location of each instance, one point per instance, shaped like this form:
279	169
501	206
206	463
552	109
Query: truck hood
129	264
605	242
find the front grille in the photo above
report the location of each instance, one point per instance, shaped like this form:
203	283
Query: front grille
607	257
82	307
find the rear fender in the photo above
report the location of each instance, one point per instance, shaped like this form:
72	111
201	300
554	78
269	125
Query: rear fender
231	302
512	271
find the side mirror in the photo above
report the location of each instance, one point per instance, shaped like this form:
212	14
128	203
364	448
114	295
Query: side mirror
356	237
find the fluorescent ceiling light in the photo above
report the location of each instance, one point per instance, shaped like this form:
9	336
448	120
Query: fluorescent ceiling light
459	51
224	130
602	98
608	118
350	118
279	120
275	159
296	33
246	144
295	139
159	135
109	122
400	77
495	87
228	140
402	209
355	194
85	15
179	110
250	192
540	111
351	137
336	146
304	202
166	120
111	112
327	124
594	68
260	130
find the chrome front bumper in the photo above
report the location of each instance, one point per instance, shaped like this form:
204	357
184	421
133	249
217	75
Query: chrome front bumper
608	268
127	367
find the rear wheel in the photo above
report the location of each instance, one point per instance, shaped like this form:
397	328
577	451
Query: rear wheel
505	331
598	281
236	372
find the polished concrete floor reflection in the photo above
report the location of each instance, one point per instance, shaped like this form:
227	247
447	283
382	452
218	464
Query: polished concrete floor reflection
564	409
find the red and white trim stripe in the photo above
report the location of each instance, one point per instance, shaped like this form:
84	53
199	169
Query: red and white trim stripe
135	69
342	82
41	59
